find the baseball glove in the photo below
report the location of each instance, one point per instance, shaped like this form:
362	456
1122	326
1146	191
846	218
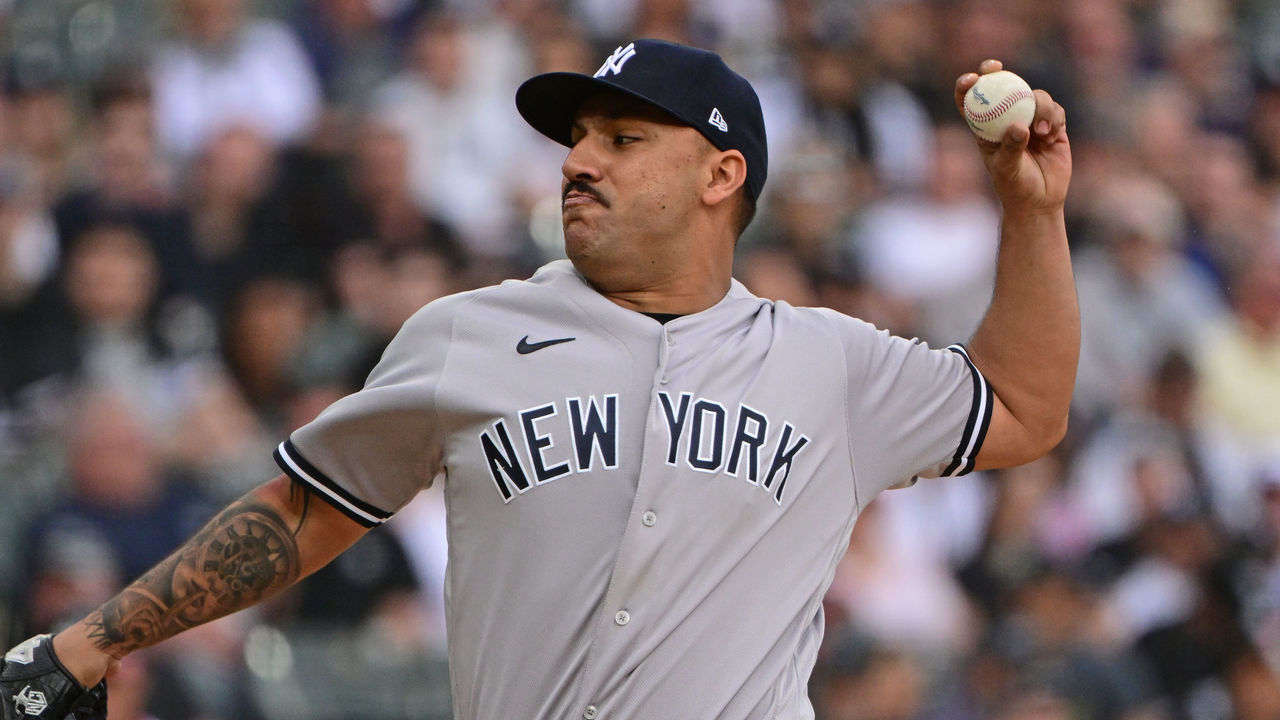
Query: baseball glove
35	686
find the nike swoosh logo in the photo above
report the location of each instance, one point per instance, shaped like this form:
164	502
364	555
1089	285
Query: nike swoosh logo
524	347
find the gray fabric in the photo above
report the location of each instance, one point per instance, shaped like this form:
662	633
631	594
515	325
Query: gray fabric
718	552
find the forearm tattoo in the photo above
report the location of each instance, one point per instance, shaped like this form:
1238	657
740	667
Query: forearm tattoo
240	557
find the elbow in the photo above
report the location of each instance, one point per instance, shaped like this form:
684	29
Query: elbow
1045	436
1054	433
1021	442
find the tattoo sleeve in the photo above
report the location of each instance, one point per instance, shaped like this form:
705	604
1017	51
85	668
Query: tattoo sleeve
246	553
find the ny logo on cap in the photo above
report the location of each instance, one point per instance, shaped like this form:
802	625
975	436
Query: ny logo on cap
613	64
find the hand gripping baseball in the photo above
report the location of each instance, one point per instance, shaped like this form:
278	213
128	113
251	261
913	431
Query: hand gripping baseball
1031	166
34	685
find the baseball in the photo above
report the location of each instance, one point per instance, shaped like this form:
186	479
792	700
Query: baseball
996	101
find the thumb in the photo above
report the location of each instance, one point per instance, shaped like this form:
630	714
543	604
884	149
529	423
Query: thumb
1008	155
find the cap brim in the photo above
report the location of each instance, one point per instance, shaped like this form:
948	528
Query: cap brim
549	102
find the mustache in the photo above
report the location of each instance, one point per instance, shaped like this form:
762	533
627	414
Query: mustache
581	187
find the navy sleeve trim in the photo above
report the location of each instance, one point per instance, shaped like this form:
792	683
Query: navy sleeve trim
975	428
297	467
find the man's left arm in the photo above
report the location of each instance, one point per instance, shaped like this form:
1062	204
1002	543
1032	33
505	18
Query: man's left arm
1028	344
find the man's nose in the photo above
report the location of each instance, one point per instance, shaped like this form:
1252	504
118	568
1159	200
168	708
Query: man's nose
582	163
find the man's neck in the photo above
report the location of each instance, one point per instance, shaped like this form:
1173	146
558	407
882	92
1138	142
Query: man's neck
682	276
681	296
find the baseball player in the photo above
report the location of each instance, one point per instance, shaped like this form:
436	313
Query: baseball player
650	473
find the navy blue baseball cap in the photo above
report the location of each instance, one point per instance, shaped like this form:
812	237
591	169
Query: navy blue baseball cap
693	85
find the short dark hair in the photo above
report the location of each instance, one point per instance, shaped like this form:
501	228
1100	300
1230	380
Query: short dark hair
746	212
119	85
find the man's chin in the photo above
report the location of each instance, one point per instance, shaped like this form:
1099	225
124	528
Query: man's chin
578	253
584	249
579	238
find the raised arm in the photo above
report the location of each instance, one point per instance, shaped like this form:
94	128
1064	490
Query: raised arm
262	543
1028	344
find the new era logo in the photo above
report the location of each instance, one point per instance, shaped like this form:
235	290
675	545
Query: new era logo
613	64
717	120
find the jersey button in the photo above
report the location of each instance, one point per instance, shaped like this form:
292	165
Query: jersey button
649	519
671	339
665	379
591	713
622	617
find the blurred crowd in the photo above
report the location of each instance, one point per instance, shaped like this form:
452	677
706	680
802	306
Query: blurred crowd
215	213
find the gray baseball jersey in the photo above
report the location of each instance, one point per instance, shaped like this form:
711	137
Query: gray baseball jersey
642	518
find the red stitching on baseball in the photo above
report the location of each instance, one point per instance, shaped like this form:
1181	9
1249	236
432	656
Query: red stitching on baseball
1000	107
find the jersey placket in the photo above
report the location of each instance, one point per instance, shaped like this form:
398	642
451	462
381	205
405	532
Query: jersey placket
616	625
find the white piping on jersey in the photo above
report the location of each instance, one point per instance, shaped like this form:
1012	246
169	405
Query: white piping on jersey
980	417
319	486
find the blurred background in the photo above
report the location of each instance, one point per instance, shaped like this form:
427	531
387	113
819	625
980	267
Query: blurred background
215	213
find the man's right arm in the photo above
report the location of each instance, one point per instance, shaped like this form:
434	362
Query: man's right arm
266	541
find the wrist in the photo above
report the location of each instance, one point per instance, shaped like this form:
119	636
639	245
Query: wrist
1015	208
1032	218
80	657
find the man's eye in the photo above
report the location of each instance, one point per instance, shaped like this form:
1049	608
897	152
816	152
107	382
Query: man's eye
624	139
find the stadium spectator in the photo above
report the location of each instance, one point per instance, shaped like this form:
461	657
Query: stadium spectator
122	505
126	181
1239	358
935	249
455	160
1140	297
228	69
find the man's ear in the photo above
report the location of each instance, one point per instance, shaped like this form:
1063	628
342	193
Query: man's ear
727	173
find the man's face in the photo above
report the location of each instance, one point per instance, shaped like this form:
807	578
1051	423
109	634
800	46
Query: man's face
632	181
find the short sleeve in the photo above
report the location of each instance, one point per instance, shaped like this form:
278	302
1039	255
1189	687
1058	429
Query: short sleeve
914	411
369	453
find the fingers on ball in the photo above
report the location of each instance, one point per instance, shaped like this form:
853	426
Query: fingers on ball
1050	117
963	83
